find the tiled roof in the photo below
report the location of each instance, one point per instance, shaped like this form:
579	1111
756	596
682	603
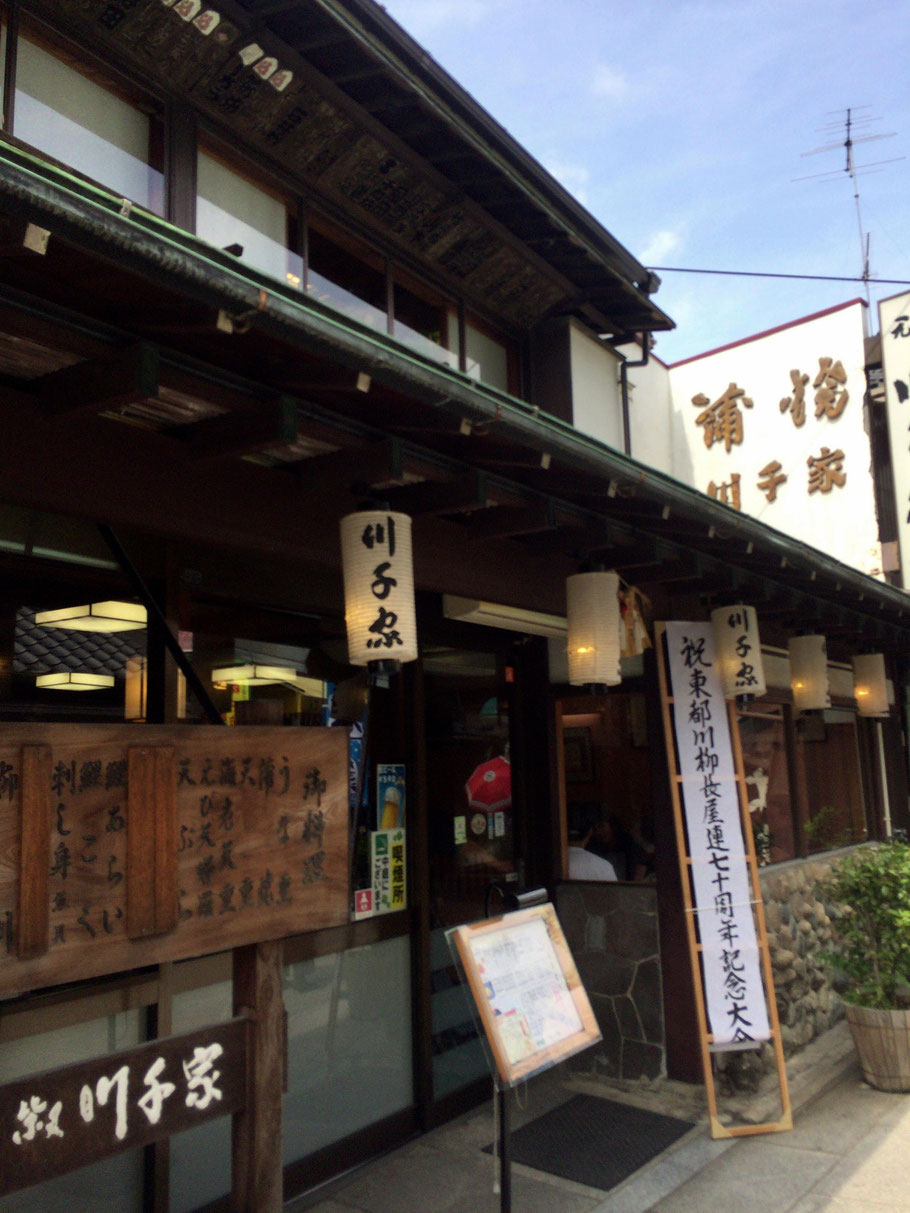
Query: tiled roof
44	650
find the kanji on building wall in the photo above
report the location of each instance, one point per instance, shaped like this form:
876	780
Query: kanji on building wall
723	420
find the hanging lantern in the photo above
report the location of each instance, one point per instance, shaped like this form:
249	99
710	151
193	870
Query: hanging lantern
592	601
809	673
378	587
738	648
870	685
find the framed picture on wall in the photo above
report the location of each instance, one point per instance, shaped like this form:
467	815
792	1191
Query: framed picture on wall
578	755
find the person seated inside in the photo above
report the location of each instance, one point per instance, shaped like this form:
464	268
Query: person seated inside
611	840
584	864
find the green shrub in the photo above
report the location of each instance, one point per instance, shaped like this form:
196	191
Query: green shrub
871	923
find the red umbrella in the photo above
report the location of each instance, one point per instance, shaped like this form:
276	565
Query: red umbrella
490	786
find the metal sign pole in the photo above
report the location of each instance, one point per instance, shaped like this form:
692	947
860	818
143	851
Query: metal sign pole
505	1150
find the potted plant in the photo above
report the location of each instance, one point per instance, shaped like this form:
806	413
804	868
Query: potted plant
870	892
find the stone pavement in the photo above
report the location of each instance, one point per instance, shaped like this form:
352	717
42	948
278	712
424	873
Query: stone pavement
848	1152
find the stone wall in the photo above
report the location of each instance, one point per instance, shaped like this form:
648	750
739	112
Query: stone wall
612	933
799	927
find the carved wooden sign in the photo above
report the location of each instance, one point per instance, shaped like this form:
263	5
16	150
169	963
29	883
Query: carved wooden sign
124	846
54	1122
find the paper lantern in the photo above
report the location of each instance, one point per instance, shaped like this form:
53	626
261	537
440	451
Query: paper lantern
96	617
870	685
378	587
809	673
738	648
592	601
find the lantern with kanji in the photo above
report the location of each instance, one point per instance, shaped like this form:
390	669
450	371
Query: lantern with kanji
738	649
378	586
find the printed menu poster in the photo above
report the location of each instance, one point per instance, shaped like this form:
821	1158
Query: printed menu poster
529	998
526	988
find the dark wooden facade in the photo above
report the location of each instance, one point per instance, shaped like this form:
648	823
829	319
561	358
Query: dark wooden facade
216	423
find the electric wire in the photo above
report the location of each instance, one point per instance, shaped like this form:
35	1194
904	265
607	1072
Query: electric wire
675	269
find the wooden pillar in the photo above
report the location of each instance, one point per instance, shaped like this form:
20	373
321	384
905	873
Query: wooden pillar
257	1138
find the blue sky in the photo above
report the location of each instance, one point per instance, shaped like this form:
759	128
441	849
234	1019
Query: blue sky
681	127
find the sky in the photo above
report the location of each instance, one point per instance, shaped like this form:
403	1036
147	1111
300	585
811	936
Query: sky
682	127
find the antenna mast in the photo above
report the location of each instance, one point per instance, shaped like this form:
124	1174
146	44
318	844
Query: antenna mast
847	125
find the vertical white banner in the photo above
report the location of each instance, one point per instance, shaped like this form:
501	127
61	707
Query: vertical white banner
734	995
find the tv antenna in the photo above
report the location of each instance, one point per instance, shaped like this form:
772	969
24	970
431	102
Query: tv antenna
846	125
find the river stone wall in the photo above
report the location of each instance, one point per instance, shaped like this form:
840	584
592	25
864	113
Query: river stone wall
611	930
799	927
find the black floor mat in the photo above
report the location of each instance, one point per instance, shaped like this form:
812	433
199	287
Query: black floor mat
594	1141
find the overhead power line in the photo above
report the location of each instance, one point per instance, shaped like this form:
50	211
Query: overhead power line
675	269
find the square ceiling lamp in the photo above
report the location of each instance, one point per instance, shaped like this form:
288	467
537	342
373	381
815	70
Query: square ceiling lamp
74	680
108	616
257	675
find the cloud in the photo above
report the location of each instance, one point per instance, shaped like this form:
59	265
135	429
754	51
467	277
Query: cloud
660	246
608	82
574	177
423	18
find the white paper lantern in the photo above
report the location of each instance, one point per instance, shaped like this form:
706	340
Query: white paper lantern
378	587
809	673
738	649
870	685
592	602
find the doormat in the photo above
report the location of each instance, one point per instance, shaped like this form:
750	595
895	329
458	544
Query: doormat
594	1141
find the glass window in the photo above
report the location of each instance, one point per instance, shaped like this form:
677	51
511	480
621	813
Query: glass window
90	1189
834	814
423	326
88	126
349	1043
235	213
200	1158
488	359
340	278
768	785
608	785
472	834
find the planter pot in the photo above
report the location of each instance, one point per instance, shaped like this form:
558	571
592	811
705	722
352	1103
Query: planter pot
882	1040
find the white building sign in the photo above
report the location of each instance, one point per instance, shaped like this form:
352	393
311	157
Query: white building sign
894	317
734	995
775	426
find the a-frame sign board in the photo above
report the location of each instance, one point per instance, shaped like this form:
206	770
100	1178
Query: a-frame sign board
699	914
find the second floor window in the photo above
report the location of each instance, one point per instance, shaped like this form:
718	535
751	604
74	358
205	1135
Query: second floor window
88	126
235	213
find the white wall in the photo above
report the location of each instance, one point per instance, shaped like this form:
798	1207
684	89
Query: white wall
650	411
596	405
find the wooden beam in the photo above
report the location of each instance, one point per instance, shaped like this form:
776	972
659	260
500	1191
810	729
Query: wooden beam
508	521
462	495
348	469
257	1171
32	919
122	377
151	841
270	423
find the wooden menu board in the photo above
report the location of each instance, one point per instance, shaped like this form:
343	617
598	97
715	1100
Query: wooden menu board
127	845
532	1006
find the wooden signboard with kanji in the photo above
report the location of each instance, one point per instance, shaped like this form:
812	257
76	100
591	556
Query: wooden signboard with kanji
123	846
55	1122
